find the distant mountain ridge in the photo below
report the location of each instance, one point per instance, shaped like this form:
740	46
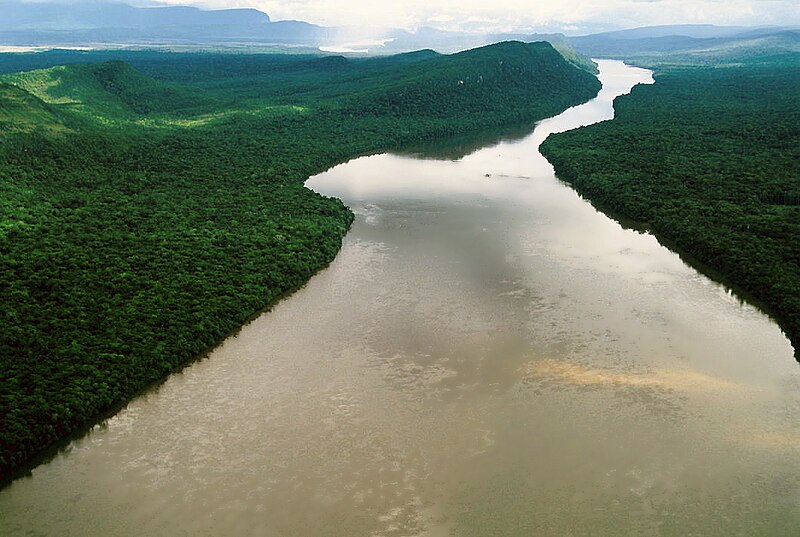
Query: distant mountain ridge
87	15
716	43
50	23
97	23
696	31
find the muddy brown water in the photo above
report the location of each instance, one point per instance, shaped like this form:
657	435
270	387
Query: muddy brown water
488	355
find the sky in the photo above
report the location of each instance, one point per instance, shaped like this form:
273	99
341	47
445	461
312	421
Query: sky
569	16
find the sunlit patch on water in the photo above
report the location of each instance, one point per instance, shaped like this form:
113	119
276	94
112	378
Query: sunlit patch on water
485	356
782	440
580	375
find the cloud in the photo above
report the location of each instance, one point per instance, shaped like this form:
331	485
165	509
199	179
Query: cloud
499	15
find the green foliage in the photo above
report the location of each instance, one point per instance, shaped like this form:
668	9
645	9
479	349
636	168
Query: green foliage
166	218
492	79
709	159
21	111
109	91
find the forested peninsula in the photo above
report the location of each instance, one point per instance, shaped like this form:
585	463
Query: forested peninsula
707	159
151	206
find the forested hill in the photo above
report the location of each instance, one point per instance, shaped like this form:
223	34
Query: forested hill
108	91
21	111
488	79
142	219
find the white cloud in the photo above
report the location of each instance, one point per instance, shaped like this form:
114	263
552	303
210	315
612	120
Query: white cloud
498	15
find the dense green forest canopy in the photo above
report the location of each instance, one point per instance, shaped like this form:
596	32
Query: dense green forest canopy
708	158
150	207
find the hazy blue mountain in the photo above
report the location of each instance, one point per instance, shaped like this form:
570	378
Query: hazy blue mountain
775	48
697	31
92	22
683	39
88	15
111	22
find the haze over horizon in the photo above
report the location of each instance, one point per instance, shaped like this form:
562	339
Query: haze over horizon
567	16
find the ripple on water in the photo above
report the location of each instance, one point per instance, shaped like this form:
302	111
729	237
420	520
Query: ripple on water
486	356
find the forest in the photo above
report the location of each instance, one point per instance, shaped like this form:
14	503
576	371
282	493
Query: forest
151	203
708	160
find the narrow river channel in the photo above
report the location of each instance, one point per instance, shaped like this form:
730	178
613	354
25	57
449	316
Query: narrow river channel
488	355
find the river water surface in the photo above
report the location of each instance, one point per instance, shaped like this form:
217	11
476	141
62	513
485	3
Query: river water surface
488	355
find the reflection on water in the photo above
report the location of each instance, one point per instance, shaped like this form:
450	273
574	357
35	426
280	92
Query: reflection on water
459	146
488	355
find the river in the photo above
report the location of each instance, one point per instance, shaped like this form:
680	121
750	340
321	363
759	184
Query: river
488	355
